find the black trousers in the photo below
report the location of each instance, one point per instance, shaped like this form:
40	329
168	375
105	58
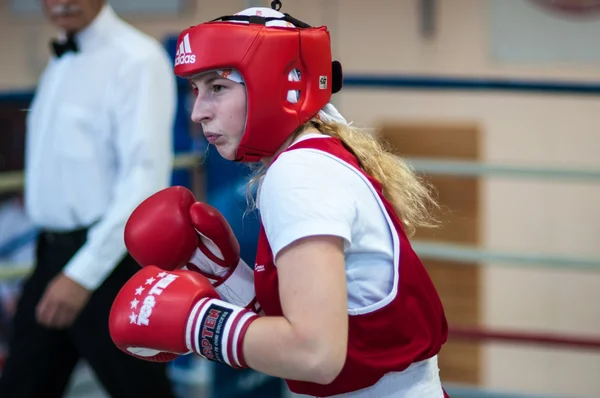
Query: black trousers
41	360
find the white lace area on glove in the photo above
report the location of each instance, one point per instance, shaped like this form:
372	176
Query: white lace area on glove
204	263
238	288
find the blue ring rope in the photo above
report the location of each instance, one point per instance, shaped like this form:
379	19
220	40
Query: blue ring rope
431	83
441	83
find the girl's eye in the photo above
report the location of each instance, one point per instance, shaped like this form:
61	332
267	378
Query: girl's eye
217	88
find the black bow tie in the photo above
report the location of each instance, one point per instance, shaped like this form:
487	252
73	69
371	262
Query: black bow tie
60	48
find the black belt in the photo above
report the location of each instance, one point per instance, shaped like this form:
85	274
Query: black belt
75	236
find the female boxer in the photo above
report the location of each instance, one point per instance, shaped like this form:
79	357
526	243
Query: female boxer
349	310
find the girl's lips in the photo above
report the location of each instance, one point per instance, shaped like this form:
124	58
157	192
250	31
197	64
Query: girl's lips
211	137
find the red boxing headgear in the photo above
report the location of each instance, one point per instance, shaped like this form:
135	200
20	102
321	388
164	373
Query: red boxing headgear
265	56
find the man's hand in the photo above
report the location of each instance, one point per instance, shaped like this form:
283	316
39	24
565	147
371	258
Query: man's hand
63	300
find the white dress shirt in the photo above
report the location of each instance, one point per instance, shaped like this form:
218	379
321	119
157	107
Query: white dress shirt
99	139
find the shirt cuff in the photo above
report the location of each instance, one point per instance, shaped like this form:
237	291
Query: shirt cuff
88	270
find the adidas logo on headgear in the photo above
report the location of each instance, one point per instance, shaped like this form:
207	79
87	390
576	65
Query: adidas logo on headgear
184	52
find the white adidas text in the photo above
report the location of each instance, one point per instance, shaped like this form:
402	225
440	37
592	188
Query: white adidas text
184	52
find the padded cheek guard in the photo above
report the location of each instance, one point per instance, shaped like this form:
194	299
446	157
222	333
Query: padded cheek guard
264	56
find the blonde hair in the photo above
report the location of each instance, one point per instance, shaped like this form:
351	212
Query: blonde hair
410	196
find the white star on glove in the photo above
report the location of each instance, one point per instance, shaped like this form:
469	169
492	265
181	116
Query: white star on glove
134	303
150	281
132	318
162	274
139	291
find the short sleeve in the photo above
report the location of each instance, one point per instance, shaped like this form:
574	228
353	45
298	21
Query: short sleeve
305	193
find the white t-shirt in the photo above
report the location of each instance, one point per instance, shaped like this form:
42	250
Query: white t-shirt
307	192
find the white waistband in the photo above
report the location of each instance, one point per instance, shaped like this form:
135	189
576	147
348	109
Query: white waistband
419	380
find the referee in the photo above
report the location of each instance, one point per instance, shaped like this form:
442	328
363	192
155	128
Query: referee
99	141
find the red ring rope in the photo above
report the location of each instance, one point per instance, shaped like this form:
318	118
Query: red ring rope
549	339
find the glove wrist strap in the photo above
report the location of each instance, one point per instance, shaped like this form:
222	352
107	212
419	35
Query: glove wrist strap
216	331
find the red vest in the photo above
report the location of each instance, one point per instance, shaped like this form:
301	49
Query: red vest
410	328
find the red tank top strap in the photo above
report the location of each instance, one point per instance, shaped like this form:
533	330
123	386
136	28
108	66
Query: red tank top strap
327	144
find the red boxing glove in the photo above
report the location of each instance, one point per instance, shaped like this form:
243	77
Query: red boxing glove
159	231
171	230
159	315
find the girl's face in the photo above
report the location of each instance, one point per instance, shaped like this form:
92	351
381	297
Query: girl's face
220	107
